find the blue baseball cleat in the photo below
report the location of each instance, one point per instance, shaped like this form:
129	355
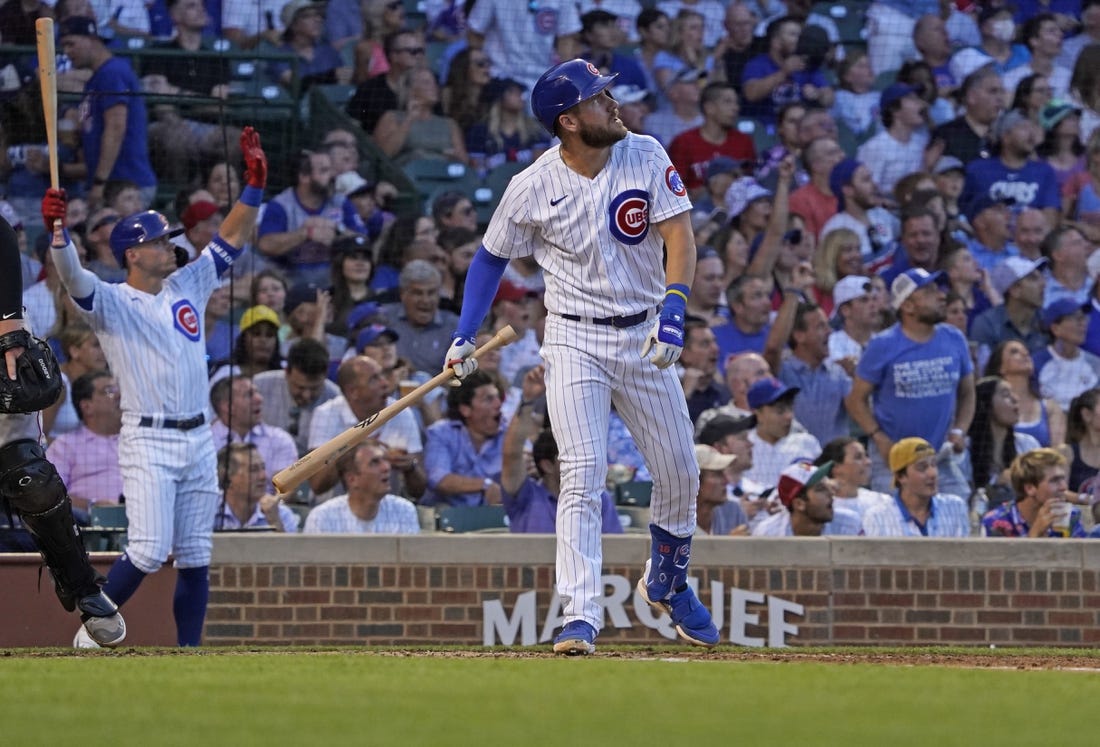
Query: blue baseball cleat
691	618
577	638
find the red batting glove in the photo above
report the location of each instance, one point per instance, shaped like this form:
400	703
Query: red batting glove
255	162
54	205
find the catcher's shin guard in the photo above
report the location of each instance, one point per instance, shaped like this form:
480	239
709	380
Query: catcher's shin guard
32	487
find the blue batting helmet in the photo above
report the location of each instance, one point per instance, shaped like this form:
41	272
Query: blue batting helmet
563	87
139	228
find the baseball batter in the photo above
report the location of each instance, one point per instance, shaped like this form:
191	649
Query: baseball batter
152	334
595	212
29	484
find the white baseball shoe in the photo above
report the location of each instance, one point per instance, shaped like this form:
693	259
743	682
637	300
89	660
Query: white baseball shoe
83	640
106	631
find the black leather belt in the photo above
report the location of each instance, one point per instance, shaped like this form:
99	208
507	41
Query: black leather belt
610	321
179	425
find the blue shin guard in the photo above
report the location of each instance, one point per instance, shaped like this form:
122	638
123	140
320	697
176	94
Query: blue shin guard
668	563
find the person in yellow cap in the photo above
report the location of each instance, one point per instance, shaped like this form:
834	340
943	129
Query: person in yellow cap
918	508
256	348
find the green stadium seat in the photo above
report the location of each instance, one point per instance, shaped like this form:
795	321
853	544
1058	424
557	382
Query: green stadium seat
762	140
462	519
109	516
849	18
633	493
431	176
107	532
337	93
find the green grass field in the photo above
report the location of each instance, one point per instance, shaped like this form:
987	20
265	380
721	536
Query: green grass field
620	697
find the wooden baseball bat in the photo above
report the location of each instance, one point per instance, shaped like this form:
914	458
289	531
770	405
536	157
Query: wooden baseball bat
47	81
288	480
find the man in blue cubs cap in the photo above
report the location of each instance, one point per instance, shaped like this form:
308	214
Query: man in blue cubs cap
1064	370
774	443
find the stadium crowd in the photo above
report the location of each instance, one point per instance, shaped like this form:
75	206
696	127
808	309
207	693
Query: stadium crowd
894	325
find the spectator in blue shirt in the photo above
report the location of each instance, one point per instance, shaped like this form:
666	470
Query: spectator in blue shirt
600	35
751	306
914	379
1014	172
989	219
822	384
780	76
462	455
318	62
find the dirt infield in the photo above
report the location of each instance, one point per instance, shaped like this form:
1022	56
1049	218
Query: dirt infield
970	658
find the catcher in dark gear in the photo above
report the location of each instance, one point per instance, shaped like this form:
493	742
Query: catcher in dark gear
29	485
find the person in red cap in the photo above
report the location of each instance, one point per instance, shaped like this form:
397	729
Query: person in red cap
806	493
200	222
514	305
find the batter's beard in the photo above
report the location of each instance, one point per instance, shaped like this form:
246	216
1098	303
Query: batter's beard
601	138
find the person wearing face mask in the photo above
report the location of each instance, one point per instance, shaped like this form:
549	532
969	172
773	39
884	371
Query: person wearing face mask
998	32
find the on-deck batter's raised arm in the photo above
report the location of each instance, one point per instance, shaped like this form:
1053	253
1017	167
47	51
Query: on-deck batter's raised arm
597	213
151	330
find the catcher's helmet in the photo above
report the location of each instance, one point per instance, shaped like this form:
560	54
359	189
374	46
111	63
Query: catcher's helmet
139	228
564	86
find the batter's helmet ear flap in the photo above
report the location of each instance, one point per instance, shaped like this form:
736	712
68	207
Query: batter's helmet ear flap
564	86
139	228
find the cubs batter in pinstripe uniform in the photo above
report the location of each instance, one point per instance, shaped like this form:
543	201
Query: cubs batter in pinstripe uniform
152	334
598	212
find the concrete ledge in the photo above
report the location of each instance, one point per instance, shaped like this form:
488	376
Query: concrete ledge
633	549
973	553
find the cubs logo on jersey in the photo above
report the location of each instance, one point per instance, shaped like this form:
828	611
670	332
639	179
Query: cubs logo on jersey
628	216
186	319
674	183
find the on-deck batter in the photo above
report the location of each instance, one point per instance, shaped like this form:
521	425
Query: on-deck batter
595	213
152	334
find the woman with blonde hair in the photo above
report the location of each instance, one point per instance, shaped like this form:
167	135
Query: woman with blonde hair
838	256
687	49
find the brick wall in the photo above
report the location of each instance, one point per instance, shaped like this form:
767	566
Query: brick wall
857	591
442	589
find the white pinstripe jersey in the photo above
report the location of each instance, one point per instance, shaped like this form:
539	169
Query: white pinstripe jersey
594	238
155	343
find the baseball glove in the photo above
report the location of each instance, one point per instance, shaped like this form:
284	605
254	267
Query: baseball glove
38	378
